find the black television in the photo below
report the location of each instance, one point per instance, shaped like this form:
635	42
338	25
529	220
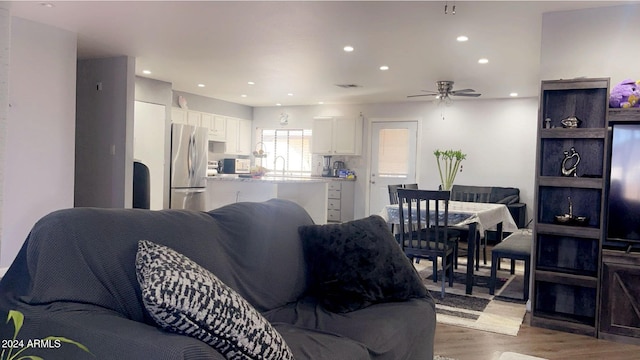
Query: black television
623	204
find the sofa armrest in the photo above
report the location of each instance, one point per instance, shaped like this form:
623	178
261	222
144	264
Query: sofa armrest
110	336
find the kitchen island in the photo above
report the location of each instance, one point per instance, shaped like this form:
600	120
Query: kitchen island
310	193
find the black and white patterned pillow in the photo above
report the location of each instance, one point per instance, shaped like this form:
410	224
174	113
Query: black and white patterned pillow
184	298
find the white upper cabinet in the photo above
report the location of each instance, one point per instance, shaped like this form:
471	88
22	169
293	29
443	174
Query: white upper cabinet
235	132
217	126
178	116
238	136
194	118
337	136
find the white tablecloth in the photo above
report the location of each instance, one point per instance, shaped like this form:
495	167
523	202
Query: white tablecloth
485	215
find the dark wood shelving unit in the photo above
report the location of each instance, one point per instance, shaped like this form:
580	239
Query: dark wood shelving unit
567	258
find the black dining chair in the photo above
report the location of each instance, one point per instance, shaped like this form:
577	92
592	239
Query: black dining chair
479	194
393	193
410	186
429	237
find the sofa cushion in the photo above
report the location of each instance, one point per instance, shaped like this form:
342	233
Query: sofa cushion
356	264
184	298
504	195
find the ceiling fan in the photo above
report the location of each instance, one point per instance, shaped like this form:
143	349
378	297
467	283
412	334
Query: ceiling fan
445	91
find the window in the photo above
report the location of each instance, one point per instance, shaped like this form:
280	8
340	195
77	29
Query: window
288	149
393	153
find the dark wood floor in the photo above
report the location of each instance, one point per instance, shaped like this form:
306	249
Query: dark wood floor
467	344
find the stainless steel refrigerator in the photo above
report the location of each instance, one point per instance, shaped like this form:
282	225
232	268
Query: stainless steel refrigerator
188	167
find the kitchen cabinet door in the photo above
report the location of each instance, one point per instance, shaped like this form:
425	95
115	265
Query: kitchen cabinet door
194	118
322	132
244	137
232	136
178	116
217	127
337	136
347	136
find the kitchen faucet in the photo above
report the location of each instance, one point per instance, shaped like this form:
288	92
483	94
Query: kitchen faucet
284	164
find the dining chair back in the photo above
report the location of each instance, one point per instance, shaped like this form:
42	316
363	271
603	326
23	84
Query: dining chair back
424	230
393	193
410	186
479	194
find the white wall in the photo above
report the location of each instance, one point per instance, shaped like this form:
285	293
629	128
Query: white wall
498	136
5	40
600	42
39	150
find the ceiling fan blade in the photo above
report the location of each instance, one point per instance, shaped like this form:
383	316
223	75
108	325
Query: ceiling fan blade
466	94
430	92
421	95
462	91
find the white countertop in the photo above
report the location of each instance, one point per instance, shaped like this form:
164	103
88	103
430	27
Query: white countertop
278	179
270	179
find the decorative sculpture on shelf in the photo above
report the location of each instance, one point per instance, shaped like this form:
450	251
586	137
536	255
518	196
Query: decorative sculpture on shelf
570	162
571	122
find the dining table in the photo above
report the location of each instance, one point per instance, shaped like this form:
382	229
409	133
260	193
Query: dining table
478	217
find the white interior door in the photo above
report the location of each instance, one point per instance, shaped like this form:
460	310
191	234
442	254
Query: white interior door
393	159
148	147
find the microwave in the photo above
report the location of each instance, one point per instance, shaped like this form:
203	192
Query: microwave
236	166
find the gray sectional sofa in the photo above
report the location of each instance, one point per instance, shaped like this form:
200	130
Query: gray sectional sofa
246	281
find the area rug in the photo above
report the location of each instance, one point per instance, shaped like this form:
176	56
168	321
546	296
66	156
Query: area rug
438	357
501	313
515	356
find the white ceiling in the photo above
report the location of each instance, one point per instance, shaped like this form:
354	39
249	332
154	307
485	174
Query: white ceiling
296	46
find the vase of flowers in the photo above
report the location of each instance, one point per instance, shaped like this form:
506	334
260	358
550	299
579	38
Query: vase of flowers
448	165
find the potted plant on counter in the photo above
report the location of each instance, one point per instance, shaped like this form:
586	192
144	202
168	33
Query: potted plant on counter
448	165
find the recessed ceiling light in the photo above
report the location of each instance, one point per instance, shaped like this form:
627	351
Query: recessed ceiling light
462	38
513	94
278	104
146	72
46	4
201	85
320	102
384	67
243	95
348	48
251	83
483	61
290	94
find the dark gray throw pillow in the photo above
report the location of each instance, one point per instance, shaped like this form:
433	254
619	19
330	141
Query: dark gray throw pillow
356	264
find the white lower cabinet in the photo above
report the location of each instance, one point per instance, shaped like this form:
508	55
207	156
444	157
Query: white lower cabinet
340	205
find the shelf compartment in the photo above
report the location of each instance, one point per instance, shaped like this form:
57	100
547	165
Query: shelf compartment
588	104
568	255
554	201
589	150
565	302
556	322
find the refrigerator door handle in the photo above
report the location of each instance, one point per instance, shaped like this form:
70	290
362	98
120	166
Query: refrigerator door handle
191	190
190	157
